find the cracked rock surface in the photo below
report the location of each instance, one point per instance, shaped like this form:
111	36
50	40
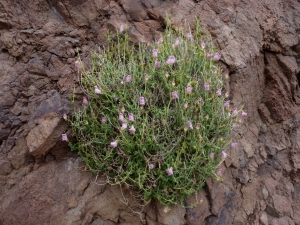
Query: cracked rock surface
43	182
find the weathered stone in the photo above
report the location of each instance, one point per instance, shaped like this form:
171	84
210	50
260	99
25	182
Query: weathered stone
247	148
264	218
39	42
217	195
53	104
135	10
172	216
5	167
248	192
99	221
272	211
283	221
265	192
282	205
198	213
45	135
55	190
18	155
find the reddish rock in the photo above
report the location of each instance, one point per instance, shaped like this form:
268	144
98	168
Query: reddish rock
198	213
170	216
282	221
45	135
19	154
39	42
5	167
217	195
282	205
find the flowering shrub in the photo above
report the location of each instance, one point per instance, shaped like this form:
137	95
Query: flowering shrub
155	116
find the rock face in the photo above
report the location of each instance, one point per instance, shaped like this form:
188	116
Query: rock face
43	182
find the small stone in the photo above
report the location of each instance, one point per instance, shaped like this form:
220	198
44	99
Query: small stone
265	192
264	218
5	167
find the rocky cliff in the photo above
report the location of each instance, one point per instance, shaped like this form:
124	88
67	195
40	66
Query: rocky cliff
43	182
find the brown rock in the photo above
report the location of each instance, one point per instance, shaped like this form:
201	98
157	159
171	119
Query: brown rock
5	167
283	221
44	136
99	221
264	218
249	201
217	195
247	148
259	42
134	9
270	210
282	205
172	216
18	155
198	213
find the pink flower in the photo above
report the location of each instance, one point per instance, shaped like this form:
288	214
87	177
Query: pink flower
235	111
212	155
128	78
209	56
124	126
219	171
114	144
121	117
219	92
177	42
146	77
188	125
175	95
121	28
78	64
188	88
167	74
226	103
130	117
217	56
206	86
65	116
142	100
166	209
132	129
234	145
189	35
235	126
97	90
155	53
151	166
186	105
169	171
157	64
103	120
85	101
198	126
244	114
173	83
160	40
171	60
224	155
202	45
64	137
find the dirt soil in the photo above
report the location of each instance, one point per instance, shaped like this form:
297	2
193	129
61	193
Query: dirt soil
43	182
